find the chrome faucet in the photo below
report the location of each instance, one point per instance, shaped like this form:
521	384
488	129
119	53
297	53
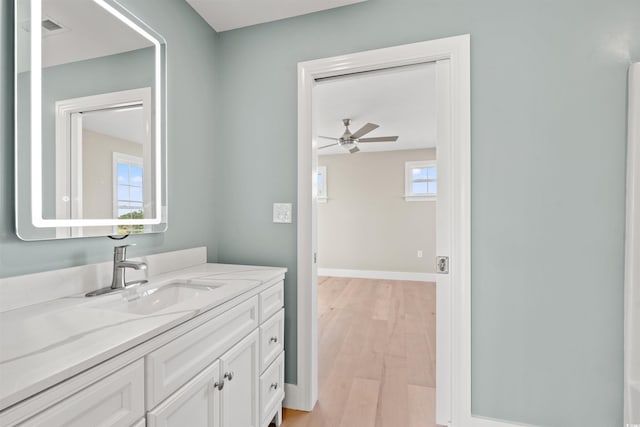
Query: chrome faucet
120	264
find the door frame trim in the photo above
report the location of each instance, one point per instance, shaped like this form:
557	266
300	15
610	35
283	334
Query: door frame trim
632	238
457	50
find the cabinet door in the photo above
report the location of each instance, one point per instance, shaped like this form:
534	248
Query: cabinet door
196	404
239	368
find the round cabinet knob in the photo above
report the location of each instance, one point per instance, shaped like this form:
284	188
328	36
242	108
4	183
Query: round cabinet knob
219	385
228	375
274	386
273	339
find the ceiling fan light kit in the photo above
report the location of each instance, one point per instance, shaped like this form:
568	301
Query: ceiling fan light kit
349	141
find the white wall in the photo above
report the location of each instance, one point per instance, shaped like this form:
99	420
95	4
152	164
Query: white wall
366	224
97	160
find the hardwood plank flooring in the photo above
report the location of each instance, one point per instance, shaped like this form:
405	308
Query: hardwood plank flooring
376	360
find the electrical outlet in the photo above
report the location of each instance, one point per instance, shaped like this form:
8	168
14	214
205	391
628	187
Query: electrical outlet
419	253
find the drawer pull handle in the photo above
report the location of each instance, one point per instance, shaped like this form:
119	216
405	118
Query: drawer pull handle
219	385
228	375
274	386
273	339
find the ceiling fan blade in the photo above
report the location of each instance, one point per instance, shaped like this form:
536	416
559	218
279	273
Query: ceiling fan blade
353	150
379	139
364	130
328	137
325	146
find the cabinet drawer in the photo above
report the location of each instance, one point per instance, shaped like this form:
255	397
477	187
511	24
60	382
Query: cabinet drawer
271	301
271	388
117	400
172	365
271	339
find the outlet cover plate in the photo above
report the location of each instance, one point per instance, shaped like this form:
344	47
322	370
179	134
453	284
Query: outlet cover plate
282	213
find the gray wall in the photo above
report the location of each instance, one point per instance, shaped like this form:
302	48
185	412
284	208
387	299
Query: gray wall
366	224
192	56
548	153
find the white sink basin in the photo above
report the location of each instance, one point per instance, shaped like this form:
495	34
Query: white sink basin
149	301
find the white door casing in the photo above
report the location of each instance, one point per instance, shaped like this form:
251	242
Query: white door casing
443	241
68	151
632	257
455	51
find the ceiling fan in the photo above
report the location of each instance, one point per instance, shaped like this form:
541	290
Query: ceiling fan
349	141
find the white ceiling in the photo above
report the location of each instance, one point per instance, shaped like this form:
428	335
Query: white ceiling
126	124
88	32
401	101
225	15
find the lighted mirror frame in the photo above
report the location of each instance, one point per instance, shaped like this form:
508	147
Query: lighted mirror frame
120	12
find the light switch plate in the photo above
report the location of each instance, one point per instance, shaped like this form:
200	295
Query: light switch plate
282	213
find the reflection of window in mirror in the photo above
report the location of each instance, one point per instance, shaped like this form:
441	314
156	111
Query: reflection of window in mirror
322	184
128	193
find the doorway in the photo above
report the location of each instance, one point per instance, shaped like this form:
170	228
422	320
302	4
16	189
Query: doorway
377	196
452	58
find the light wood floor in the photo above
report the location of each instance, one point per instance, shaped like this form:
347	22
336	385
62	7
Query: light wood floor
376	358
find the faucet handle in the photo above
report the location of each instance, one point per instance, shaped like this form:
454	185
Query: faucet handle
120	252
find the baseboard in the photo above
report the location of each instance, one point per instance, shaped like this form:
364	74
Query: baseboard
373	274
293	397
477	421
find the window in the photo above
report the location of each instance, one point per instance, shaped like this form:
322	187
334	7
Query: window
128	194
421	181
322	184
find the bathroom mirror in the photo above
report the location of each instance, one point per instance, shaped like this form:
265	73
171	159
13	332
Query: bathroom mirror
90	137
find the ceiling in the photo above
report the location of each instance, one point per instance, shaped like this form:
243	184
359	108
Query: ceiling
223	15
125	123
400	100
88	31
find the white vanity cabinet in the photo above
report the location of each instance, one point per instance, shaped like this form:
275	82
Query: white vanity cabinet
172	365
271	354
242	387
223	394
222	368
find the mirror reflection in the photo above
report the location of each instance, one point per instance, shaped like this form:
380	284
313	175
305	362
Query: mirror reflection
91	150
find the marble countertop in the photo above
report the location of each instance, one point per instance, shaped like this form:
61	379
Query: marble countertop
44	344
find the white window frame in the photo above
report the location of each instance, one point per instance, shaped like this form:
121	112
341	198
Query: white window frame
323	193
409	195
